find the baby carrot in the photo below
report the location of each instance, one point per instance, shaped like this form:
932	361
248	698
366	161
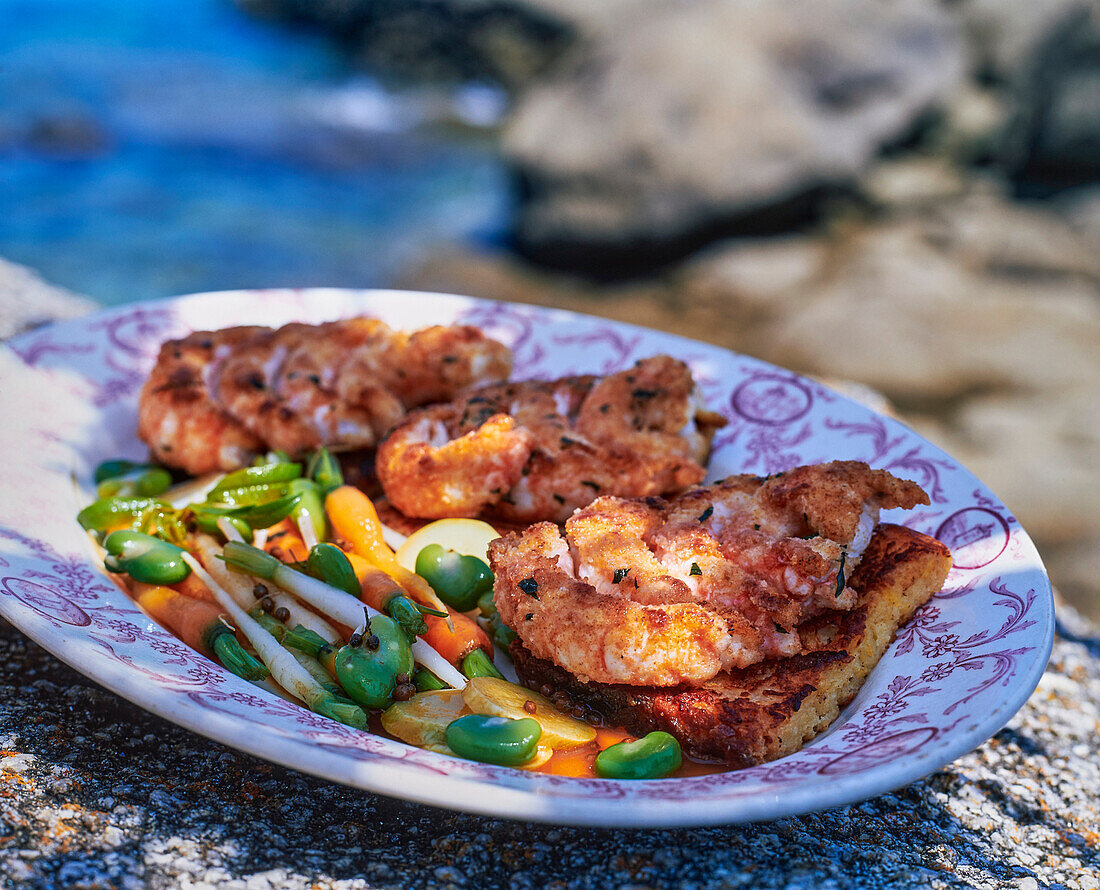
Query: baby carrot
455	644
192	587
356	521
200	625
285	538
379	590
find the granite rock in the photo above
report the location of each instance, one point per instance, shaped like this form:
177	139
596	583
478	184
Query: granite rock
638	149
27	301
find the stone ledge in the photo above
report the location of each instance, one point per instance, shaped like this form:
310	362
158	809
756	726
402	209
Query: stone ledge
26	301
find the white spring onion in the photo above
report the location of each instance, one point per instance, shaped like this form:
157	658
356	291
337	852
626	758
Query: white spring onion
305	529
393	538
284	667
241	590
335	603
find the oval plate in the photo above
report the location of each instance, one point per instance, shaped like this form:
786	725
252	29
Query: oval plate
953	676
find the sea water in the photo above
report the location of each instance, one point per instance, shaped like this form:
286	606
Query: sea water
156	147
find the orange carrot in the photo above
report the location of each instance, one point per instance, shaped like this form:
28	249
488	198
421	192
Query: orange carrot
377	589
356	521
188	618
360	566
193	588
285	543
456	644
375	586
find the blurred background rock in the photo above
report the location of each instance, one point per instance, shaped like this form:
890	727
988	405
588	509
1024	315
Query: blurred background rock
900	195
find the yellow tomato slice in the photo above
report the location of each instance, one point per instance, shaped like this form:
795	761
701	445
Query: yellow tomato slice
499	698
423	719
470	537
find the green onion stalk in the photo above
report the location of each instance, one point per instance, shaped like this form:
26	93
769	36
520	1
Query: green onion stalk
325	470
244	590
425	681
251	477
309	513
283	666
331	601
478	664
143	514
279	631
243	517
500	633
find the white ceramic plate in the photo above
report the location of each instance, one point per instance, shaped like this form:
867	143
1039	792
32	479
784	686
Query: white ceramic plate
954	675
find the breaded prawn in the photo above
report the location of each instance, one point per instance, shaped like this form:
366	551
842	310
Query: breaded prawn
282	386
177	416
719	577
341	384
552	446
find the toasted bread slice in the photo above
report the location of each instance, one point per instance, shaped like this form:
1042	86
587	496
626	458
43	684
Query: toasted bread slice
756	714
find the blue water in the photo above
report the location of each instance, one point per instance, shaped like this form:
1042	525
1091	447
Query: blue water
171	146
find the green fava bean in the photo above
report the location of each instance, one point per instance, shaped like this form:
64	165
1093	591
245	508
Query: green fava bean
112	469
310	506
265	474
328	563
459	580
142	481
498	740
370	675
145	558
652	757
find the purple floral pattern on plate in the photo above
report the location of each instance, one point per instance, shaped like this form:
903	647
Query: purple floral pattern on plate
954	675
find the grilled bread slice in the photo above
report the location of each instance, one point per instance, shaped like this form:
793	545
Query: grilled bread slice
771	709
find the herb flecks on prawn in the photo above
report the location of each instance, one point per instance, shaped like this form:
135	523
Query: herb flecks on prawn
655	593
537	450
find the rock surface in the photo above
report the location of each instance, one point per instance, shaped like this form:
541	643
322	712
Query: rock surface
1047	54
509	42
27	301
96	793
638	148
645	128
